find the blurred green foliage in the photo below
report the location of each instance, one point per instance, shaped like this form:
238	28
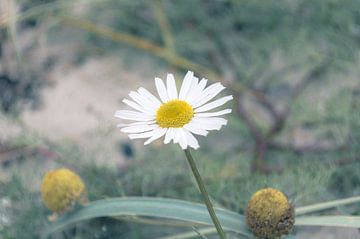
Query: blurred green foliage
240	35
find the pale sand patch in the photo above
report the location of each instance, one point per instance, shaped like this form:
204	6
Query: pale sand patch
79	106
81	99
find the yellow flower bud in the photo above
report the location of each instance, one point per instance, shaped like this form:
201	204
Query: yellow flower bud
61	188
269	214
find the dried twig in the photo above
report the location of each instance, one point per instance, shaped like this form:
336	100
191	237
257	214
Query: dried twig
164	25
264	140
313	75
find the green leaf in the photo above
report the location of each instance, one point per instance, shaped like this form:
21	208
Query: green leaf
192	234
326	205
151	207
330	221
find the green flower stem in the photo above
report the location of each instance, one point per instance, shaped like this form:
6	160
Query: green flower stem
204	194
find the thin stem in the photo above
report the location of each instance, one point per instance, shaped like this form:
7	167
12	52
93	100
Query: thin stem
204	194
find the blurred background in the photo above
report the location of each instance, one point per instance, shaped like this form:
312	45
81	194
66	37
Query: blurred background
65	66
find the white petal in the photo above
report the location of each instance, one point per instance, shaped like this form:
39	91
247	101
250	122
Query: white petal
212	123
211	114
137	123
191	140
143	101
195	128
169	136
182	140
197	92
138	107
138	128
186	85
193	87
161	90
171	87
213	90
133	115
135	96
149	96
141	135
157	133
214	104
202	84
209	93
177	135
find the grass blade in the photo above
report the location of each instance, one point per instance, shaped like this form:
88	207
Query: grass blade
326	205
332	221
192	234
151	207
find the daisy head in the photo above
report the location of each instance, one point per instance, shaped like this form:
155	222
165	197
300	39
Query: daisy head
177	115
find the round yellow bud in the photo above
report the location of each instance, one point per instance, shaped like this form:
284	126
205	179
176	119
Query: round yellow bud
61	188
269	214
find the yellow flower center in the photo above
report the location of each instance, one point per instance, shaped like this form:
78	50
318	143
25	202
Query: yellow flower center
60	188
174	114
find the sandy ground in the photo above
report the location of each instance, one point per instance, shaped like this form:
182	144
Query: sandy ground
80	99
79	105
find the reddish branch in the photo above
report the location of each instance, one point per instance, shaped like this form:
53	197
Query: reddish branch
264	140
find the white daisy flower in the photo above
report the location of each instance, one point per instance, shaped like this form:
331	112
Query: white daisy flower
178	116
